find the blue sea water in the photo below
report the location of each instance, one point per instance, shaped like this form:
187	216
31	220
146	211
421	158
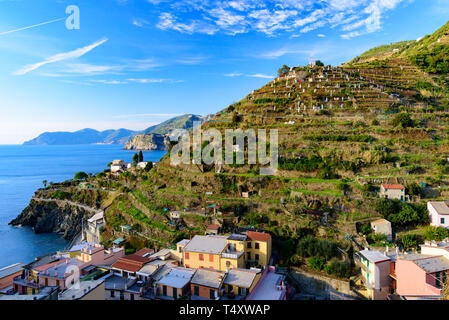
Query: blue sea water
22	170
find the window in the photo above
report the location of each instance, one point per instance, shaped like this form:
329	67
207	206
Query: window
211	258
256	245
122	296
212	294
131	296
256	257
248	255
187	256
442	220
164	290
201	257
175	293
196	291
248	245
112	294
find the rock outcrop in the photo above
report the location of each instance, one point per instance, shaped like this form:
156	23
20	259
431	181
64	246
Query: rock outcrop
53	216
150	141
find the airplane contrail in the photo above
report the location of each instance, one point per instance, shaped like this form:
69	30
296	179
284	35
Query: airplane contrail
33	26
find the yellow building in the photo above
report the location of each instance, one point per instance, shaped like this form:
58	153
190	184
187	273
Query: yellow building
226	252
241	282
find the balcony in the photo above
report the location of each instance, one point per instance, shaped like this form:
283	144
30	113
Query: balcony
232	254
24	283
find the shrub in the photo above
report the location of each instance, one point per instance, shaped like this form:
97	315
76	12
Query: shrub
317	263
436	233
402	120
80	175
312	247
338	268
409	241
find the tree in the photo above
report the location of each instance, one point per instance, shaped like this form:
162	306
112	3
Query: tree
149	166
403	120
284	70
436	233
140	156
44	183
387	207
414	189
319	63
80	175
409	241
135	158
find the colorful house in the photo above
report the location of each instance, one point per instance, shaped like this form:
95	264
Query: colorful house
207	284
175	284
393	191
438	214
375	270
241	282
382	226
7	275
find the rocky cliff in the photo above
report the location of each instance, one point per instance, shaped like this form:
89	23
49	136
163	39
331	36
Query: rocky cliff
147	142
53	216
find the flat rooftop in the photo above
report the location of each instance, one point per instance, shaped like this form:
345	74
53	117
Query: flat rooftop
9	270
267	288
207	244
374	256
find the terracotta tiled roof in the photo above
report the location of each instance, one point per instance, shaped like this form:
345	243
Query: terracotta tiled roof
131	263
144	251
258	236
46	266
393	186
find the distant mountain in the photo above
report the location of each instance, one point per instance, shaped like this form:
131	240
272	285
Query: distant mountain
85	136
156	137
120	136
182	122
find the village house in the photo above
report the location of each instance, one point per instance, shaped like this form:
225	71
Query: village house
375	273
118	166
438	214
393	191
271	286
207	284
175	284
92	232
226	252
128	266
422	276
85	290
7	275
28	281
212	229
174	215
241	282
382	226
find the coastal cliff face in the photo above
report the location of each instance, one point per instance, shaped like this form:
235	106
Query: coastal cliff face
53	216
147	142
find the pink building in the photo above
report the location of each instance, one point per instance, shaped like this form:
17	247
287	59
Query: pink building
420	275
438	214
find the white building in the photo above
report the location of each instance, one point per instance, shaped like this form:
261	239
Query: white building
439	214
393	191
382	226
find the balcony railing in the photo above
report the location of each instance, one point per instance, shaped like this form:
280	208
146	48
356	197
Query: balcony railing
232	254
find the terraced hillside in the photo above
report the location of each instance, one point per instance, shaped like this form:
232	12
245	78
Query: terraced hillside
381	118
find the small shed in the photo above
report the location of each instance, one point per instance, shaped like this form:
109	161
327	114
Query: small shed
382	226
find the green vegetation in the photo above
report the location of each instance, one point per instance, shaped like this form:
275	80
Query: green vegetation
80	176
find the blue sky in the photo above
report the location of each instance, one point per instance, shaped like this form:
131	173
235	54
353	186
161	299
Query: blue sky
134	63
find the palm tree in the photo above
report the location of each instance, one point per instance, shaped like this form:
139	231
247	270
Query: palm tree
44	183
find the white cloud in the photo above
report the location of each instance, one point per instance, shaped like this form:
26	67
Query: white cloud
61	57
272	17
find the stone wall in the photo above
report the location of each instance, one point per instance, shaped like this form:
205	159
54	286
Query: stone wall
319	285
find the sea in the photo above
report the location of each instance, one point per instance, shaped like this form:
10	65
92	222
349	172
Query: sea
22	171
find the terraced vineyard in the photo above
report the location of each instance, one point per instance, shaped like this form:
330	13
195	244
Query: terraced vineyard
379	118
